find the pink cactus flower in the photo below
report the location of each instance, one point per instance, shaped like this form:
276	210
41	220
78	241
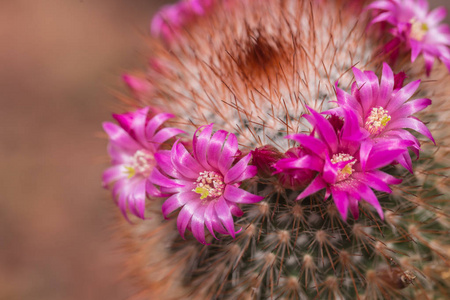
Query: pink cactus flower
170	19
132	147
346	170
205	185
384	109
419	29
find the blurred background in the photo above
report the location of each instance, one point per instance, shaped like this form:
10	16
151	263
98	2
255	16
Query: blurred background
60	63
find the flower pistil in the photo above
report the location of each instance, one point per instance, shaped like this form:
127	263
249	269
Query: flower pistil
377	120
209	184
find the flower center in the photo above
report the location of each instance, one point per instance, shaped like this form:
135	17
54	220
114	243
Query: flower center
418	30
142	163
377	120
209	184
345	163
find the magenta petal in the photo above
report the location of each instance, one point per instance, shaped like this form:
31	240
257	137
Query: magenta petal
387	85
228	153
198	224
235	210
176	201
436	16
325	130
139	196
351	130
310	142
344	98
138	125
163	161
411	107
316	185
215	147
237	195
372	180
209	214
402	95
136	84
365	90
212	222
341	200
184	162
159	179
353	205
429	61
330	171
224	214
122	203
112	174
405	160
384	152
120	137
305	162
185	215
369	196
248	173
235	172
364	152
416	48
201	143
413	124
155	123
165	134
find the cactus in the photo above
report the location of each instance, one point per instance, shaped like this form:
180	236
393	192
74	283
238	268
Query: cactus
252	68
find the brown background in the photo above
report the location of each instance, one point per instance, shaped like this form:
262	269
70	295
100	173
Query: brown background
60	60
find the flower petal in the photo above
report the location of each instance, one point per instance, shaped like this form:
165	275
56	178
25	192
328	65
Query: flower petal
402	95
341	200
164	135
236	171
112	174
224	214
198	224
120	137
184	162
310	143
316	185
155	122
176	201
228	153
215	147
201	143
325	129
237	195
185	215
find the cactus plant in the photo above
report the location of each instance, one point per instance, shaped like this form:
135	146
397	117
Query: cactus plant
261	70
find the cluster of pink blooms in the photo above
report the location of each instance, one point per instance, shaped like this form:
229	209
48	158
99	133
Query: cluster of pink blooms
413	27
366	132
344	154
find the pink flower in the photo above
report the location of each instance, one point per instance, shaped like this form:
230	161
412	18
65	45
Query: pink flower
295	179
417	28
170	19
132	147
384	109
344	168
205	185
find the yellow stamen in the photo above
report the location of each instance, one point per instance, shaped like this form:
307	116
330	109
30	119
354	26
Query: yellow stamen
202	191
130	171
